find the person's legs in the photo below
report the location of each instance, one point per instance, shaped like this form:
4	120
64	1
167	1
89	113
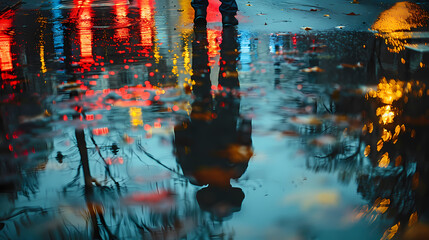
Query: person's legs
229	9
200	7
200	4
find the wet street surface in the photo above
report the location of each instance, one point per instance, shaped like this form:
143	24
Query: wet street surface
121	120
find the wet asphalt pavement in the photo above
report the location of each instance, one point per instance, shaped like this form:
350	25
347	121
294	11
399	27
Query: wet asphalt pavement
121	120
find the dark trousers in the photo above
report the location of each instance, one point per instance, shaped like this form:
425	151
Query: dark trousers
227	6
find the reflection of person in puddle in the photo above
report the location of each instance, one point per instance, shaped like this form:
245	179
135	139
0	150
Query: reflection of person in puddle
215	145
228	9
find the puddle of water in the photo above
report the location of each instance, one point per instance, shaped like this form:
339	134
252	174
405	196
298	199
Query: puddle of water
116	123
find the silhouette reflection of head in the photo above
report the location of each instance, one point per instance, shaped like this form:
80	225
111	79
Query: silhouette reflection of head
215	145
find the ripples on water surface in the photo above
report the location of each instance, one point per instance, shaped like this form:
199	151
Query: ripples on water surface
117	122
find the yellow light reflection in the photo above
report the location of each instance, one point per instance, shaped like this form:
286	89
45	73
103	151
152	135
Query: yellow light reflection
402	16
413	219
136	116
175	69
388	92
186	54
386	135
384	160
397	131
370	127
390	233
392	23
42	57
386	114
186	17
380	206
367	150
364	129
379	145
42	22
156	54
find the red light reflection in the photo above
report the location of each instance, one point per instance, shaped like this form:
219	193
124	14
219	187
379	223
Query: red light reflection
90	117
6	66
100	131
122	33
213	14
114	160
5	40
213	37
146	22
84	25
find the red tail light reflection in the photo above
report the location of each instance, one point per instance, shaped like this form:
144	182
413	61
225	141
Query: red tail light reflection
84	14
146	21
122	33
100	131
6	66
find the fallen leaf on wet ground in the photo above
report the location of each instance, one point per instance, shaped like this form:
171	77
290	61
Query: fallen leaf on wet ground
390	233
352	66
305	10
290	60
114	160
289	133
312	69
352	14
307	120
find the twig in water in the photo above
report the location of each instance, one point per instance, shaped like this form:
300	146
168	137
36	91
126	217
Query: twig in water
75	178
105	163
157	161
